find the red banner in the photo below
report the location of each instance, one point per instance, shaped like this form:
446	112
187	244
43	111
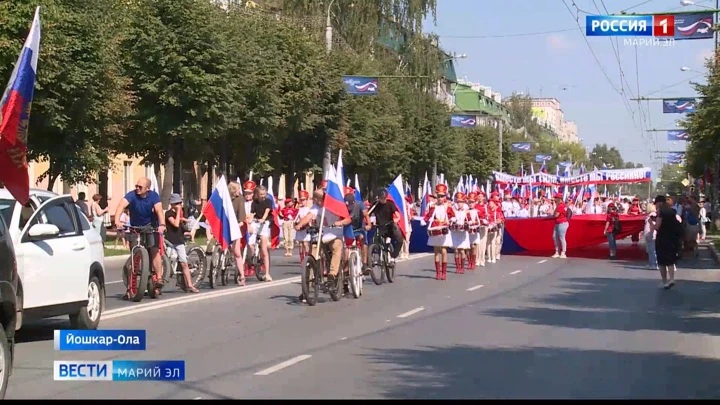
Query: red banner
605	176
14	169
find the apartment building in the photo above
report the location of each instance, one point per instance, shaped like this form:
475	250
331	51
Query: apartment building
548	112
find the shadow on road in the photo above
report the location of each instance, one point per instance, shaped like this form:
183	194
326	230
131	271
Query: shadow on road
464	372
40	331
626	305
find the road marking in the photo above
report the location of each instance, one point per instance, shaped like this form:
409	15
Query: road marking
121	312
412	312
284	364
140	308
477	287
516	272
114	282
542	261
198	398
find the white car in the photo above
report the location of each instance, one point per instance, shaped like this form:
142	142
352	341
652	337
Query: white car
60	259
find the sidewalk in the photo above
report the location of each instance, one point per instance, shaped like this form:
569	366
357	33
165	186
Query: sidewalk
707	258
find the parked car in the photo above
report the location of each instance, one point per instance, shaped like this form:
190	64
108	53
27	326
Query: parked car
8	307
60	259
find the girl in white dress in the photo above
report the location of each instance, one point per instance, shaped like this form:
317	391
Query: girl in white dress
438	220
302	236
473	230
459	232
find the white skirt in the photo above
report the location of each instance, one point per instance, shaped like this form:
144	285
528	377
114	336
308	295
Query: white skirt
474	238
460	239
302	236
440	240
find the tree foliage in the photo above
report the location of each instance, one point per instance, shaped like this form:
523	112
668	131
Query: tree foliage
183	81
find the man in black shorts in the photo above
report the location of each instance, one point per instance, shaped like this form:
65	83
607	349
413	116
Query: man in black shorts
386	218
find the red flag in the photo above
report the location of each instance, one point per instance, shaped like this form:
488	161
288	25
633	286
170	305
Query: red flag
14	170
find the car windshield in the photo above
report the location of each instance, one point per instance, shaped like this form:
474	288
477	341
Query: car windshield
6	209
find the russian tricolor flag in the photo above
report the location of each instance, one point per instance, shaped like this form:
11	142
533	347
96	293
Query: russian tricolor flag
334	199
15	115
395	193
220	215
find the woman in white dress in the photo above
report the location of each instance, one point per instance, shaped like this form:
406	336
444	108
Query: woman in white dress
438	220
302	236
473	230
459	232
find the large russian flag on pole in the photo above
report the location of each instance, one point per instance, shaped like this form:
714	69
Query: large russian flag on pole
396	195
220	215
15	106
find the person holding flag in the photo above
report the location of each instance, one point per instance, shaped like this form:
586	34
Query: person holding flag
261	210
387	218
360	223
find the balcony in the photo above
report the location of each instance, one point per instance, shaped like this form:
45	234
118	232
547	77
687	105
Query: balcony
470	101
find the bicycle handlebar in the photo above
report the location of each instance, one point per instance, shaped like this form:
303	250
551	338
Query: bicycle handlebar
143	229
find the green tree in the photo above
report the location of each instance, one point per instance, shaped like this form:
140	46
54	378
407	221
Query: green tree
81	98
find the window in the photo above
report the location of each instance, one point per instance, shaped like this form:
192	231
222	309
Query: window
127	176
60	215
83	219
6	210
148	171
2	226
25	213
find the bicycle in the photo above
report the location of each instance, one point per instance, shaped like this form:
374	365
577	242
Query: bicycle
379	256
196	264
313	275
255	263
354	269
221	263
136	272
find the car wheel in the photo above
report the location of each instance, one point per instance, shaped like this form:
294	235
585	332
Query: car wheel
89	316
5	363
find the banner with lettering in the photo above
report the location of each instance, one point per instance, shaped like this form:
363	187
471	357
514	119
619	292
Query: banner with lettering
678	135
520	147
605	176
361	85
693	26
463	121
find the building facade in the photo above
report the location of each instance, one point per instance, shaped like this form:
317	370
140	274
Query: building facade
548	113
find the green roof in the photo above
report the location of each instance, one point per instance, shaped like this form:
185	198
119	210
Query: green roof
471	101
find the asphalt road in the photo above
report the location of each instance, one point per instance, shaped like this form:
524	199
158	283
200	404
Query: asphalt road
280	267
527	327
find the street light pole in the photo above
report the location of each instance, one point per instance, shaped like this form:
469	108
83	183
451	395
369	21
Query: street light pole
327	155
500	143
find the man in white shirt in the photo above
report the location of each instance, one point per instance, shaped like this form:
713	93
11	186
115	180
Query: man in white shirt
523	212
332	231
516	207
507	207
544	208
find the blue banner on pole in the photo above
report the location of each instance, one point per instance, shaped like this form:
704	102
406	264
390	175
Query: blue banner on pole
520	147
678	135
361	85
463	121
676	158
693	26
679	105
542	158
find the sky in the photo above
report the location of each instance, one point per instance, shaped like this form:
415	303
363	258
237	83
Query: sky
560	64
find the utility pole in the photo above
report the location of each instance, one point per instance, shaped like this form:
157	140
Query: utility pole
327	155
500	143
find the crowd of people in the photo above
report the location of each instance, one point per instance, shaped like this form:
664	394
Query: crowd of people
471	224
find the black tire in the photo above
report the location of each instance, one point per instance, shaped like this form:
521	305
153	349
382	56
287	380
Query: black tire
337	292
197	263
260	269
354	266
225	272
309	281
215	266
389	269
96	295
137	274
6	362
375	263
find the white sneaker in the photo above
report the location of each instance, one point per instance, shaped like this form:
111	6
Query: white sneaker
555	256
562	256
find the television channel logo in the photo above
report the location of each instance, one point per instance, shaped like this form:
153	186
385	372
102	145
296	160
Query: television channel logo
662	26
119	370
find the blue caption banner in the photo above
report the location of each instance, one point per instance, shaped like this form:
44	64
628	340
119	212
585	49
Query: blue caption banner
119	370
619	26
94	340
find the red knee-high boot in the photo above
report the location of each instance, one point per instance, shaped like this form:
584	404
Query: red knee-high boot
471	262
302	257
461	267
457	261
444	271
438	271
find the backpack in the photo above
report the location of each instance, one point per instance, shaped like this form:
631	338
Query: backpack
357	216
617	227
690	218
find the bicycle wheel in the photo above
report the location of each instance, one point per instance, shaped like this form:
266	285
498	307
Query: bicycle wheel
309	281
260	269
336	291
137	273
197	264
225	270
355	274
375	257
215	266
168	272
389	269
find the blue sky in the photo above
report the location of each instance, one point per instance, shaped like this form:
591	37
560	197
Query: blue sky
543	64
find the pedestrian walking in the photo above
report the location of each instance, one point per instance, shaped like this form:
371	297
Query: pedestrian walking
649	236
667	240
561	227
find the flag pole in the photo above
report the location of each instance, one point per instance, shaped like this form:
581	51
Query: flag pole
320	227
